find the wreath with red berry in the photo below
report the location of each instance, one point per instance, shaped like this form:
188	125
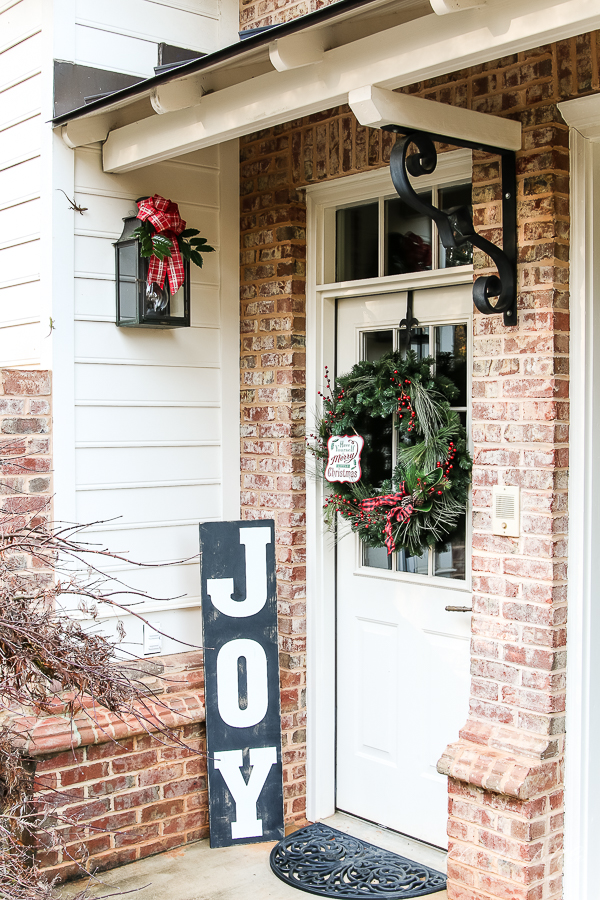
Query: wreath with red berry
421	504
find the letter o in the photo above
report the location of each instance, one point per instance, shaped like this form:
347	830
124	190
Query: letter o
228	686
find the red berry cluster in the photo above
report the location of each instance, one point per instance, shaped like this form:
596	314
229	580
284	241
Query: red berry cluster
404	402
449	462
350	509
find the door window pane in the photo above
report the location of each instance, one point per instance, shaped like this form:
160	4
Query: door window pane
407	238
451	357
417	565
357	242
377	558
451	198
377	344
376	457
449	557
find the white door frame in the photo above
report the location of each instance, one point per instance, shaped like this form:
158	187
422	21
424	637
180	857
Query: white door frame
320	338
582	777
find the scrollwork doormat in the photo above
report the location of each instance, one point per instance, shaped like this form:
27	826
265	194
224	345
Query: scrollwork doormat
325	861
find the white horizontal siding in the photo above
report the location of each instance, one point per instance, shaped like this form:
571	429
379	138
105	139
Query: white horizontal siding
147	402
191	384
124	37
19	221
185	460
19	183
20	60
20	139
20	142
21	100
170	502
18	22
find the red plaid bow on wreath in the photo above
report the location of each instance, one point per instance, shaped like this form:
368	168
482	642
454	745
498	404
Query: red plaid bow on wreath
402	508
164	216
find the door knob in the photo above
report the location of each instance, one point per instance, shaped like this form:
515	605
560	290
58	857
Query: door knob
459	609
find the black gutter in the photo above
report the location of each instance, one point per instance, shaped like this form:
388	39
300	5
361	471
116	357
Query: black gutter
249	44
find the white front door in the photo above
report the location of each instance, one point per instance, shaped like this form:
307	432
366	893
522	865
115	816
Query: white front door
402	658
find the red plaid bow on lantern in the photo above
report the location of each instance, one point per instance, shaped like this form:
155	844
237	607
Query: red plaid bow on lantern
164	215
401	510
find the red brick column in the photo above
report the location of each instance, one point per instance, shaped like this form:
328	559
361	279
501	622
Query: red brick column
506	770
273	377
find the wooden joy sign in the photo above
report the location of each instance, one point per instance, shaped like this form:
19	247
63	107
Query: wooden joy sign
241	669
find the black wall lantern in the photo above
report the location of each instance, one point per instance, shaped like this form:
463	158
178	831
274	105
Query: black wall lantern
140	304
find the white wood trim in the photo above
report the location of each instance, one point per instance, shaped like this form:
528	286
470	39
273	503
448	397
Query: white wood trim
583	114
582	777
229	242
320	561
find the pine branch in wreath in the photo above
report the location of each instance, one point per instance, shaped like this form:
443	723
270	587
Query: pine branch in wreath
427	494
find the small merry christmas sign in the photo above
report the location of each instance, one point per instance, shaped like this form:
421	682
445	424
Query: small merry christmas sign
343	461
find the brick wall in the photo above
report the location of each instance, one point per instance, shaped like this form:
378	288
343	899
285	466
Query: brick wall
260	13
136	794
506	768
25	450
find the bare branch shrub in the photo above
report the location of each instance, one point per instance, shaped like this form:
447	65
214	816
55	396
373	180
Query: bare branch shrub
52	662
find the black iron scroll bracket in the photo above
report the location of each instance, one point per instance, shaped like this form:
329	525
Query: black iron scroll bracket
406	325
455	227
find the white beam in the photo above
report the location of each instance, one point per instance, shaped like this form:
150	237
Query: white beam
411	52
297	50
375	107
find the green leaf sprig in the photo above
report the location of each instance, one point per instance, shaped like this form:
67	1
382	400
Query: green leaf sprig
154	243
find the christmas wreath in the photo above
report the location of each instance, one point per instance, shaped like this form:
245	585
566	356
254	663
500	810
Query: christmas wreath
424	499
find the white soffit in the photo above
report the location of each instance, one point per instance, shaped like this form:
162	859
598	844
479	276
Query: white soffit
375	107
424	48
583	114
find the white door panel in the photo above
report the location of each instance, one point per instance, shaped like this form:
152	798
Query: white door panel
403	660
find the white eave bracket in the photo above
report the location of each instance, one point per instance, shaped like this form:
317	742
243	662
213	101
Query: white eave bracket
377	107
297	50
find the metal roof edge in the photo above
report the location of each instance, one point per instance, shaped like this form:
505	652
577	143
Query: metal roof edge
338	9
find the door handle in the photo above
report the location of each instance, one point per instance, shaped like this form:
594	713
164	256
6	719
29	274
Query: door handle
459	608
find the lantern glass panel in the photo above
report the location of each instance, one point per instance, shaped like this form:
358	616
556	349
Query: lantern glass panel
128	299
177	304
128	256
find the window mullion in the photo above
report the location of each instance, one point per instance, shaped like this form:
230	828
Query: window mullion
381	237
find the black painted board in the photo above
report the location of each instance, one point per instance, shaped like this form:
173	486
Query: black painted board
241	666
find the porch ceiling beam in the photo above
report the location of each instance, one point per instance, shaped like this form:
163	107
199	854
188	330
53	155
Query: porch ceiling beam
377	107
411	52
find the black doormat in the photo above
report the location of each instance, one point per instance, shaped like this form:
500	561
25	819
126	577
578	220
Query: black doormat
325	861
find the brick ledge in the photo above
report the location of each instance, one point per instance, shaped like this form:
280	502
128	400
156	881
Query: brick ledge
513	776
163	705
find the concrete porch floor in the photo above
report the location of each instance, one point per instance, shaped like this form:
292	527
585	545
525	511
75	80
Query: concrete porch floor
196	872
